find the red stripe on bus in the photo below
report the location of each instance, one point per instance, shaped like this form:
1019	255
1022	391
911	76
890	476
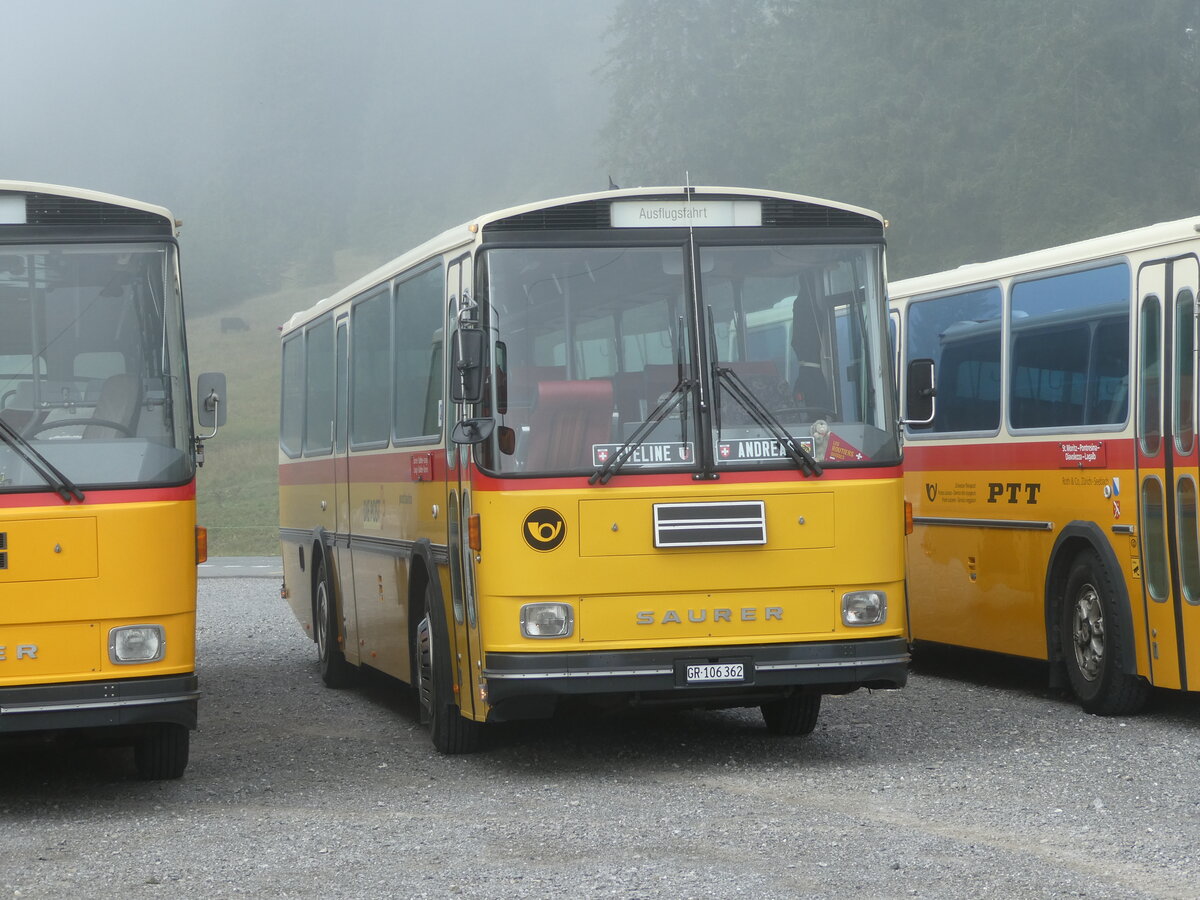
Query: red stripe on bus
98	497
391	467
1062	453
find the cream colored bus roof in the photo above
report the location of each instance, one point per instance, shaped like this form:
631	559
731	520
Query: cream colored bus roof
462	235
1112	245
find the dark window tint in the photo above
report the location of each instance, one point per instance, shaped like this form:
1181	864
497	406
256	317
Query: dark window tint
1070	357
319	383
418	336
1150	399
291	419
371	370
961	334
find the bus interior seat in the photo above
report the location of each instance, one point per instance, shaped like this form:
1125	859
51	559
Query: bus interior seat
120	401
521	384
638	393
567	419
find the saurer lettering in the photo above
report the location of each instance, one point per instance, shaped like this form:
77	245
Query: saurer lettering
21	651
720	614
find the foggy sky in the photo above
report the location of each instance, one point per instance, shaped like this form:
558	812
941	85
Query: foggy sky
272	125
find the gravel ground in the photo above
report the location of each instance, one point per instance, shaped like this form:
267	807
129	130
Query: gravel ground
974	780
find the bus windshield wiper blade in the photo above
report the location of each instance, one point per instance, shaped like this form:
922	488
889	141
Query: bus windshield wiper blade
797	452
613	464
61	484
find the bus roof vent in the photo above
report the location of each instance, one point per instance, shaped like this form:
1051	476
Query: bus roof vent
588	215
778	213
91	215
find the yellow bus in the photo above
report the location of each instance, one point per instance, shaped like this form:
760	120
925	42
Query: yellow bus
98	536
1051	460
575	452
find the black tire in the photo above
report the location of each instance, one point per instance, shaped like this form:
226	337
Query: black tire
1091	636
161	751
451	733
794	715
336	672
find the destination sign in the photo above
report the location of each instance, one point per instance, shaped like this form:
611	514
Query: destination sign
691	213
12	209
661	454
757	449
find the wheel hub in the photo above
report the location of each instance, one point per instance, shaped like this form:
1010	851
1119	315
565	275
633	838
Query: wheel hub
1087	632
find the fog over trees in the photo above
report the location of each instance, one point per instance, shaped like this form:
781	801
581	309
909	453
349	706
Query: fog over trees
284	131
977	129
288	134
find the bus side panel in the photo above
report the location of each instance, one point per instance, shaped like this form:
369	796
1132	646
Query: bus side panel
305	505
978	588
984	586
396	499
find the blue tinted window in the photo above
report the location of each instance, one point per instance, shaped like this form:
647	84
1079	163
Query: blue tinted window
1070	349
961	334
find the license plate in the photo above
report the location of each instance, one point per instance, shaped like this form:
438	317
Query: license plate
715	672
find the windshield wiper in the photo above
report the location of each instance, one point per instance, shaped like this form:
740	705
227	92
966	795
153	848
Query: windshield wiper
764	418
613	464
61	484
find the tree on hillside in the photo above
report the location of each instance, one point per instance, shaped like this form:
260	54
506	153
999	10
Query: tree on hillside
977	129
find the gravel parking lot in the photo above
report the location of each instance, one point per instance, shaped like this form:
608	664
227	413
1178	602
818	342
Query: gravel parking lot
974	780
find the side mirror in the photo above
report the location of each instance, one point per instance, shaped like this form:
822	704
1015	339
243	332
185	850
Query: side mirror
211	405
466	365
473	431
920	393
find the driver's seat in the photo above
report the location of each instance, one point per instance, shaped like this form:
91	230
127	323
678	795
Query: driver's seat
120	401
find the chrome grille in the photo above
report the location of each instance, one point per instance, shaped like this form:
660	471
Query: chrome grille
710	524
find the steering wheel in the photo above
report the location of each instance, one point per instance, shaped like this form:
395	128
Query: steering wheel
76	420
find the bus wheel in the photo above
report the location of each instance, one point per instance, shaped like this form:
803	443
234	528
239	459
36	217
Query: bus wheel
792	715
451	733
1091	642
161	752
335	671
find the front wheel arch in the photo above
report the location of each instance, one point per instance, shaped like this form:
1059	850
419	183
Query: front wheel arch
1091	630
1078	537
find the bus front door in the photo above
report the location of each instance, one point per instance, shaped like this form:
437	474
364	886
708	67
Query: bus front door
1168	460
463	613
343	527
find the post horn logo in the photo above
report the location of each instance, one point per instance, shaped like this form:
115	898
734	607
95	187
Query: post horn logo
544	529
931	491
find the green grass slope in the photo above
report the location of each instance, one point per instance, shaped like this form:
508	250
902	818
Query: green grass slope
237	487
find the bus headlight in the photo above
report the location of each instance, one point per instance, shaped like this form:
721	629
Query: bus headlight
864	608
136	644
547	620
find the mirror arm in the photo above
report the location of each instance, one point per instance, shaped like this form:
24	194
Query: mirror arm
212	404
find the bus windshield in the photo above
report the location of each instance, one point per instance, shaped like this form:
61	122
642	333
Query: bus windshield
93	376
694	353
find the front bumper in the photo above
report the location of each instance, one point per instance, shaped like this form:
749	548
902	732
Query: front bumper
99	704
816	667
